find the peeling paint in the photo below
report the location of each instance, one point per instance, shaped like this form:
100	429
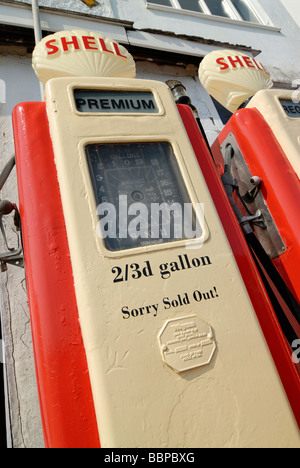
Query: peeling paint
92	7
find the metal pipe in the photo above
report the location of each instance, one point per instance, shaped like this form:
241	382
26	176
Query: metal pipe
37	31
7	170
36	21
181	97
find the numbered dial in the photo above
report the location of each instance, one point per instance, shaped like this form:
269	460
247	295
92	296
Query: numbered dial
133	180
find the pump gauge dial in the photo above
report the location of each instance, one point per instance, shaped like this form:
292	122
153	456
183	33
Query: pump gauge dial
139	192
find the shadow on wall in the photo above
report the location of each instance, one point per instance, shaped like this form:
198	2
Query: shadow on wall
2	92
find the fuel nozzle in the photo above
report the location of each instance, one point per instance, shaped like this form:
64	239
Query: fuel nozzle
181	97
179	92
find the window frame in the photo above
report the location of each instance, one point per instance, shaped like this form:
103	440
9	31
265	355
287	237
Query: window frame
263	22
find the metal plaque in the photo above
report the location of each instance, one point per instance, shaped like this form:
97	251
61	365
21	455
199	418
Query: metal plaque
186	343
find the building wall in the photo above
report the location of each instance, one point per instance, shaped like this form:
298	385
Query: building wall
292	7
278	40
190	35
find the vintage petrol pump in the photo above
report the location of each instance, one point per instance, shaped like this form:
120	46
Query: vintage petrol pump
151	326
264	139
259	151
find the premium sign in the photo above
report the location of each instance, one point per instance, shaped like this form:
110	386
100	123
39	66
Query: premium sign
128	102
232	77
81	53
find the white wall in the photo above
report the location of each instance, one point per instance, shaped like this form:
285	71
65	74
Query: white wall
280	48
293	8
279	40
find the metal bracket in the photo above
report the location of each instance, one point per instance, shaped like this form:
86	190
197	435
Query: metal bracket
256	210
252	193
257	219
12	255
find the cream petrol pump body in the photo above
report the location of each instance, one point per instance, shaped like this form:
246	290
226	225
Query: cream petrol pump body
168	330
281	110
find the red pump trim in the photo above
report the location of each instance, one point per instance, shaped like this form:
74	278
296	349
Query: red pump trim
66	400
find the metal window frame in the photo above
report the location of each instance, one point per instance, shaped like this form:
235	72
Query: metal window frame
252	9
232	11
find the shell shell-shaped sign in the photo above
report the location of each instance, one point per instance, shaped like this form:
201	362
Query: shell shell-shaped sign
232	77
81	53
